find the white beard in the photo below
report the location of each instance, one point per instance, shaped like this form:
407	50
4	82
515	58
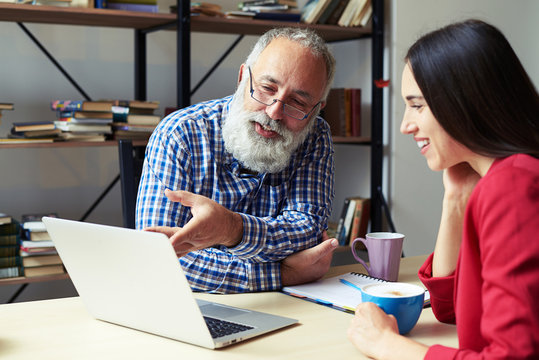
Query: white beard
251	149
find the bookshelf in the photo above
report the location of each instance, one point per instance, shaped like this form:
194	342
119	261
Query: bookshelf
184	24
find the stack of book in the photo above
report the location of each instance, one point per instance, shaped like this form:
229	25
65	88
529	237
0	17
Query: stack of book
134	119
337	12
83	120
343	111
354	220
280	10
38	131
99	120
10	259
39	256
133	5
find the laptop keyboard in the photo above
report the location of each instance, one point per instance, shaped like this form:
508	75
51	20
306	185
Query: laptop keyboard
220	328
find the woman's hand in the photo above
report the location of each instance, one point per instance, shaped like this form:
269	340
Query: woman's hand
459	182
371	330
376	335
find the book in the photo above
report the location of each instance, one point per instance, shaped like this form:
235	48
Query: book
5	219
318	10
28	245
34	134
33	125
132	127
343	111
66	105
26	141
347	224
328	11
10	272
9	239
85	105
291	16
340	224
10	261
89	115
140	119
133	7
87	121
78	127
333	293
307	9
40	260
353	7
7	106
90	137
336	14
355	111
10	228
335	112
150	2
44	270
360	221
38	236
9	250
363	16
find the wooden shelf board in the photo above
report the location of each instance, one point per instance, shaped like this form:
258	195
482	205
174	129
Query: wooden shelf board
33	279
67	144
82	16
26	13
258	27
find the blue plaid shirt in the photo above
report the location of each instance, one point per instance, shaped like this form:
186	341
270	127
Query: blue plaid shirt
282	213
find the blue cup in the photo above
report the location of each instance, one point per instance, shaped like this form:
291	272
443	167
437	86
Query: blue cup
402	300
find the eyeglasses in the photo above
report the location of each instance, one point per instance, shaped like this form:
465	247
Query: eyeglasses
265	98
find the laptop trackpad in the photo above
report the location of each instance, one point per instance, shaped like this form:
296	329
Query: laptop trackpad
219	311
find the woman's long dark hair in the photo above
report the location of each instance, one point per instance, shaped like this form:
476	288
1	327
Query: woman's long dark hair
477	88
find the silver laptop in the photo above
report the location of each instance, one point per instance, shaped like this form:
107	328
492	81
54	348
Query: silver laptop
133	278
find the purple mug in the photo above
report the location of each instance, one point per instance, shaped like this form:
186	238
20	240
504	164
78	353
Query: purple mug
384	250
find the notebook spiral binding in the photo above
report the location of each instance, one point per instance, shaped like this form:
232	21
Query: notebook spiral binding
368	276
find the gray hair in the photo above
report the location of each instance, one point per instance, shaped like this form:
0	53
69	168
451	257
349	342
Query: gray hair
306	38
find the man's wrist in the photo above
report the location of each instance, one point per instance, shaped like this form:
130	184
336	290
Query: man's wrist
235	229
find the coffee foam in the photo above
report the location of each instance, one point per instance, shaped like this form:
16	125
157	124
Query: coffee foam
393	290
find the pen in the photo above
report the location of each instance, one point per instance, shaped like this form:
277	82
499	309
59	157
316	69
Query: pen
345	282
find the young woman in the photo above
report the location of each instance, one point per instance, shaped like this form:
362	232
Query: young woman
473	112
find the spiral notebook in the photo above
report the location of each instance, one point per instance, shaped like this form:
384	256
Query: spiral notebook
332	292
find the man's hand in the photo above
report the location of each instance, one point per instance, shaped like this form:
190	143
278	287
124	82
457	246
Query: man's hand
308	265
211	224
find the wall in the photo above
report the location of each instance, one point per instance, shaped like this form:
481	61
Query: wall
69	180
416	191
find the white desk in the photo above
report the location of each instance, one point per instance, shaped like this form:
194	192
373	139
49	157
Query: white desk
62	329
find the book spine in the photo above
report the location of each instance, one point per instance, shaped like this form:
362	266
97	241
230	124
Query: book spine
9	239
133	7
348	221
279	16
10	229
340	225
356	111
10	261
66	105
9	272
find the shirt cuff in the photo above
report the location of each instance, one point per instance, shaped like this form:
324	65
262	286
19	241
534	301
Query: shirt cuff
440	352
250	245
265	276
441	290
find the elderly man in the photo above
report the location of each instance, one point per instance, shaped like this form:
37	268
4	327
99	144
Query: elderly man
241	183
